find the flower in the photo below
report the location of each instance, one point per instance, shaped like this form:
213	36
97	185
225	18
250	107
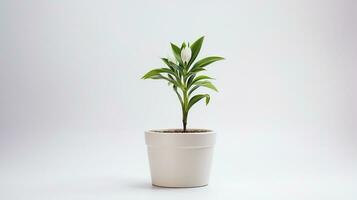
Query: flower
186	54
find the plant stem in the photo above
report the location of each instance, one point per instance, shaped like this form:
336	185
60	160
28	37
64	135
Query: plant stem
185	100
184	123
185	110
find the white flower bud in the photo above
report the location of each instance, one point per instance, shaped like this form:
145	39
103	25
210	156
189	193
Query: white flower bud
186	54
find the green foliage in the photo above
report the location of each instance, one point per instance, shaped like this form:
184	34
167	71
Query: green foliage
183	78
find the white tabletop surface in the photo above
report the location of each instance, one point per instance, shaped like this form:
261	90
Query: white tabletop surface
103	166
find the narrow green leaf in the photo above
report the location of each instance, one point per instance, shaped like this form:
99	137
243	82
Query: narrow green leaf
159	76
195	48
173	81
206	61
196	70
197	98
199	78
172	65
177	52
151	73
167	62
158	71
171	77
183	45
206	84
207	99
190	79
193	89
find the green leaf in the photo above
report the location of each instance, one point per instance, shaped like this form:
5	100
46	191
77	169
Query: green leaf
207	99
158	71
177	52
197	98
183	45
195	71
159	76
206	84
152	73
190	79
172	65
171	77
193	89
199	78
206	61
195	49
172	81
166	61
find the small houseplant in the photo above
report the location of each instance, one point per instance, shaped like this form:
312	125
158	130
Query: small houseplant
182	157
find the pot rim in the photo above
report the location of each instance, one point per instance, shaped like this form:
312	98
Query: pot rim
158	131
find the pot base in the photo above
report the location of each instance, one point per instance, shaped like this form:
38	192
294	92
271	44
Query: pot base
160	186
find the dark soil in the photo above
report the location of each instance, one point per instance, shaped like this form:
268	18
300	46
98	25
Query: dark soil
181	131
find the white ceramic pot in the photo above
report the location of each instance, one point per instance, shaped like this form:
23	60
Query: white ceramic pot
180	159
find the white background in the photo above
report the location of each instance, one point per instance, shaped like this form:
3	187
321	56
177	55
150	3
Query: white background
73	108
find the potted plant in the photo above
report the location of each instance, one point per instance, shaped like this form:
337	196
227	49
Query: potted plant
182	157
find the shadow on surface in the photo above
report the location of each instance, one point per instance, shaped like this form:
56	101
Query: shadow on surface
109	186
